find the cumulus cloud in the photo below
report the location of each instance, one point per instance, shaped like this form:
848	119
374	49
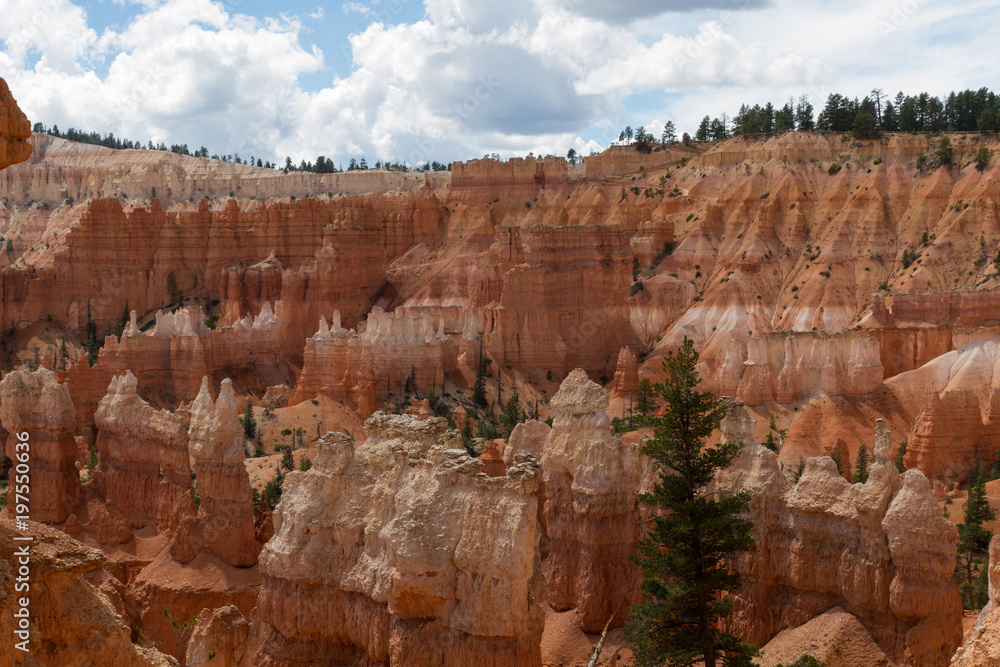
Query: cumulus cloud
466	78
625	11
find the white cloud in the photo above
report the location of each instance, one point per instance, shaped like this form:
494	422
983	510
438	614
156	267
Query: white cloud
468	78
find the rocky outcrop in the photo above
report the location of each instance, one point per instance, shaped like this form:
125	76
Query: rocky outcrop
835	638
72	623
14	130
144	474
591	512
389	353
553	298
983	646
170	360
785	367
36	409
882	551
223	634
438	565
626	380
224	524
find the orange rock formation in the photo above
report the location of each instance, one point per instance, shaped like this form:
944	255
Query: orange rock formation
442	568
880	550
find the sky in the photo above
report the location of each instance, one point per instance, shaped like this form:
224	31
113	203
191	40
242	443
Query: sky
412	81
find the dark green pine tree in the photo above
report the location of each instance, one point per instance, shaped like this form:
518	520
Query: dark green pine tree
860	466
973	539
645	398
685	556
93	348
511	415
250	424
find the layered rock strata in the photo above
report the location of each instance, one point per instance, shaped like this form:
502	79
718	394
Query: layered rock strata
14	130
391	352
553	298
144	472
785	367
224	524
37	410
591	512
881	550
438	565
170	360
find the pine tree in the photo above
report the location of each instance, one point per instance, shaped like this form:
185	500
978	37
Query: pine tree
645	398
860	466
801	468
973	539
92	347
684	556
838	459
511	415
249	423
479	386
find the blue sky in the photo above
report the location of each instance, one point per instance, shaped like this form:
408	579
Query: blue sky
416	80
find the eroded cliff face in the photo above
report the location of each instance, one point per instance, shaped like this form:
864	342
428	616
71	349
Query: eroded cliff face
591	507
144	474
14	130
34	406
438	564
881	551
72	622
224	524
169	361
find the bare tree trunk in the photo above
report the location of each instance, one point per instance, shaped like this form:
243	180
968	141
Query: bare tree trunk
604	635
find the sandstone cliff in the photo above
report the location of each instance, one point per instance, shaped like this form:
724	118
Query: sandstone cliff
880	550
14	130
144	473
591	507
34	403
72	623
224	524
438	565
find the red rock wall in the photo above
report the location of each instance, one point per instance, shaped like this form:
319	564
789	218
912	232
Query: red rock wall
445	575
14	130
35	403
144	474
880	550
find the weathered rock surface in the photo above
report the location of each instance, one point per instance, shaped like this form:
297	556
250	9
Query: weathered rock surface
835	638
224	524
437	565
14	130
34	403
784	367
144	474
591	512
224	633
72	623
171	359
391	351
983	646
882	551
